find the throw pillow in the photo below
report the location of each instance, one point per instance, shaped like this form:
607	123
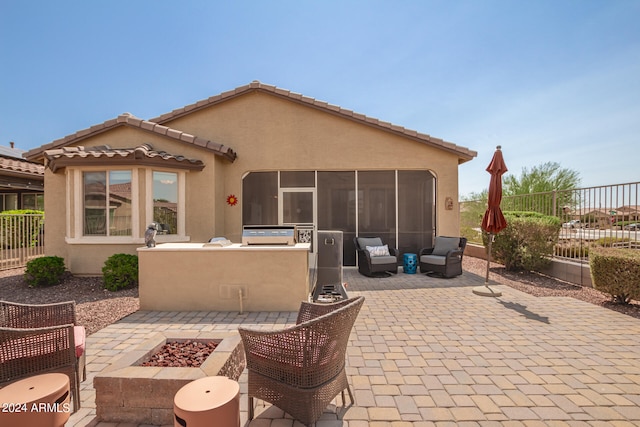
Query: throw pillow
379	250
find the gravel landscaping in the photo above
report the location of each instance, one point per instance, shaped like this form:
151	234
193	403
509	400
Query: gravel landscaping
97	307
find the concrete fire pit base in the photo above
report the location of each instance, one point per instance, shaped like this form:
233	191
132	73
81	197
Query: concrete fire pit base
129	393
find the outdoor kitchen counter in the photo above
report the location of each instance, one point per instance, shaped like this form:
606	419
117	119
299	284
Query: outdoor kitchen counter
205	277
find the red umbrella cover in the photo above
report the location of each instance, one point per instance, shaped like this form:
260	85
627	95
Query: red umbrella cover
493	220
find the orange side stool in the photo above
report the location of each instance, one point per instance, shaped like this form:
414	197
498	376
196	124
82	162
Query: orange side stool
206	402
38	401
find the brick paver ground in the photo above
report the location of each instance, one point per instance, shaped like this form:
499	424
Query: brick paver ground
427	351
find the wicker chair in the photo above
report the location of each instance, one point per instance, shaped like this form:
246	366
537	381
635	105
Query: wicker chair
375	266
301	369
37	339
445	258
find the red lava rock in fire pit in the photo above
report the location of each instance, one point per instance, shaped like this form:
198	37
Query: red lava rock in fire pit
187	354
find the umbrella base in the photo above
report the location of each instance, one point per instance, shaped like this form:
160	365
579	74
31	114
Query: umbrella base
486	291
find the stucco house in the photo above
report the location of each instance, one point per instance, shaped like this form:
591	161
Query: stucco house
21	182
255	155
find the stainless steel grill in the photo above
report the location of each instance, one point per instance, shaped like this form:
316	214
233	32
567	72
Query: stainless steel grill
268	235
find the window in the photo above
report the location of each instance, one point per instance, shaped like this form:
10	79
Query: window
376	205
107	203
165	202
33	201
416	210
260	198
8	201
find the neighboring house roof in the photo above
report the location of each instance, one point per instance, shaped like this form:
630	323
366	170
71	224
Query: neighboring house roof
463	153
128	119
629	208
143	154
17	173
121	191
23	167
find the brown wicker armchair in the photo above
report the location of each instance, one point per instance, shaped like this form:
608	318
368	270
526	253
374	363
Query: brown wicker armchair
36	339
301	369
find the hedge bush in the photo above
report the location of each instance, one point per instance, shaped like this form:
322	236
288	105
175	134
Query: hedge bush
528	241
44	271
616	272
120	271
574	251
610	241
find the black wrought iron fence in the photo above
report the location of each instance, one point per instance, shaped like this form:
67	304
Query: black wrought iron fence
21	239
607	215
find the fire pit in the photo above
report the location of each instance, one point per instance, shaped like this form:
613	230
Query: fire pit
127	392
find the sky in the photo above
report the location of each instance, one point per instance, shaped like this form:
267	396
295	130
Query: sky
547	80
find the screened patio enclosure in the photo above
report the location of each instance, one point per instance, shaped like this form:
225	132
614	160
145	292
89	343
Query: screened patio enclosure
396	205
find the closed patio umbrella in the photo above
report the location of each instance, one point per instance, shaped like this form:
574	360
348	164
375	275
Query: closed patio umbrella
493	221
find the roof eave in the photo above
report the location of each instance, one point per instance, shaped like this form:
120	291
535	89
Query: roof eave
38	154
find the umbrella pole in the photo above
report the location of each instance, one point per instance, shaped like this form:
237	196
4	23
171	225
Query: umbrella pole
486	290
486	280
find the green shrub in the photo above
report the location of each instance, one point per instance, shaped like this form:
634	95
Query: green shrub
44	271
120	271
610	241
528	241
616	272
473	235
572	251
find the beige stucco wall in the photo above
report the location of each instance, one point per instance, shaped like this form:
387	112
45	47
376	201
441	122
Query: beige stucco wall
55	201
270	133
190	277
267	133
88	259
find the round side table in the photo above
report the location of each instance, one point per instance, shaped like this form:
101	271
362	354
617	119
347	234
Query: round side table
208	401
410	263
41	400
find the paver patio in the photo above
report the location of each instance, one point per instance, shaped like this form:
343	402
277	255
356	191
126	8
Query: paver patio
427	351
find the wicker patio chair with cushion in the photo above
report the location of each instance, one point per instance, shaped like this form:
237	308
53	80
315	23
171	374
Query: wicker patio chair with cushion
445	258
300	369
375	259
37	339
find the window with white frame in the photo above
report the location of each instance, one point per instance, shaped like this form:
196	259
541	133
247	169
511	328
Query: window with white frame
165	201
107	203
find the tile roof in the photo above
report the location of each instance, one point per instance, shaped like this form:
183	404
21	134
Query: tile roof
128	119
17	166
464	154
64	156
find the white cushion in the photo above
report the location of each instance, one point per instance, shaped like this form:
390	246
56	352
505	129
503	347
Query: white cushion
445	244
376	251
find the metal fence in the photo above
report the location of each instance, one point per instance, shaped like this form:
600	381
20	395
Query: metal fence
606	215
22	239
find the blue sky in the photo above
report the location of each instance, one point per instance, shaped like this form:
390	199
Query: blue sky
548	80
